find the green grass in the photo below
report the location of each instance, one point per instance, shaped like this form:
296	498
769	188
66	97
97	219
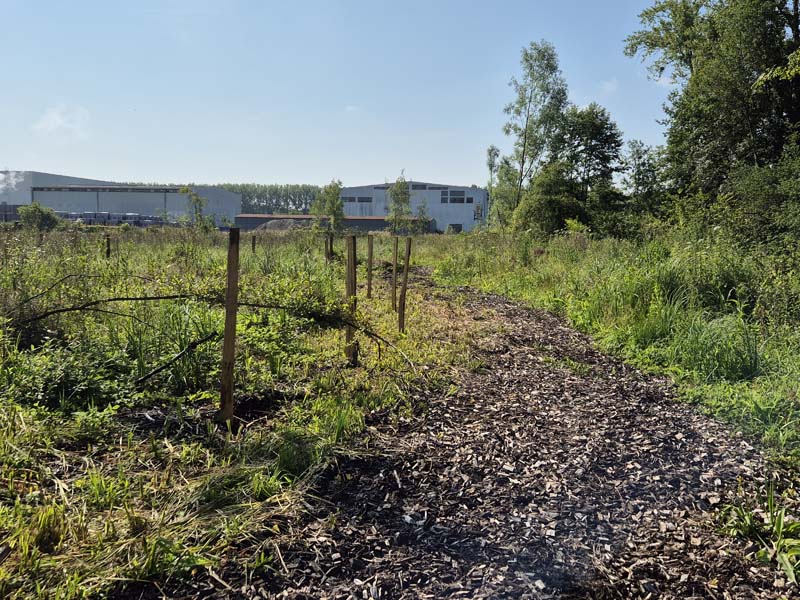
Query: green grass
105	481
721	320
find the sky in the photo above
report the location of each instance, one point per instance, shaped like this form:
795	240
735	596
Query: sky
176	91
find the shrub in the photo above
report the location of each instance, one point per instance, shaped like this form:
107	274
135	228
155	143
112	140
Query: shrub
38	217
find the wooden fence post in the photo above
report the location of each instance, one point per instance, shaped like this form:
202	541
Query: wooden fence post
394	273
229	341
328	246
108	246
369	266
401	314
351	345
253	243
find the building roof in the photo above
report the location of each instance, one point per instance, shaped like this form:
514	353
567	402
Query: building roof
303	217
412	181
77	187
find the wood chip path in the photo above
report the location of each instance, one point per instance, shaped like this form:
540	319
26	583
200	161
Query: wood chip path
554	472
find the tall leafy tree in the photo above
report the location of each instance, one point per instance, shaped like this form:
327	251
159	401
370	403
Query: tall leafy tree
733	107
549	201
589	143
540	96
644	178
672	35
328	203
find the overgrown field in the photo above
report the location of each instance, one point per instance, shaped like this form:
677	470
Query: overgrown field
113	472
721	320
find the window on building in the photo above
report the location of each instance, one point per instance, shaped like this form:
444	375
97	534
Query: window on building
457	196
365	198
419	186
469	200
437	187
381	187
478	212
444	197
348	199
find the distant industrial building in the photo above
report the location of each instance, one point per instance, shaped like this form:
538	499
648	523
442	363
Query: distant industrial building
450	207
248	222
107	202
366	208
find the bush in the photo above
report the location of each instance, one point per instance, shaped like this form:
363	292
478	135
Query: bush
38	217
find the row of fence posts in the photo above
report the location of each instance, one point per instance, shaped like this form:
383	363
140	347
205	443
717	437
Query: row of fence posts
351	344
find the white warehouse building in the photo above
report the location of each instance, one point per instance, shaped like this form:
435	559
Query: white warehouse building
450	207
77	197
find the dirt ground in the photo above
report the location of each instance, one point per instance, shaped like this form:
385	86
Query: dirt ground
553	471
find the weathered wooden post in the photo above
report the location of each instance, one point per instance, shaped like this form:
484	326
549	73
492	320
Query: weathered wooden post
369	266
108	246
229	340
253	243
351	345
401	314
394	273
328	246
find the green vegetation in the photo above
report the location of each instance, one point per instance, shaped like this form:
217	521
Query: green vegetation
682	259
766	523
112	464
685	260
328	204
38	217
399	205
719	319
274	198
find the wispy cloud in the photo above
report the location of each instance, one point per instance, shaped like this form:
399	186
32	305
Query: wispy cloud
64	123
609	86
351	108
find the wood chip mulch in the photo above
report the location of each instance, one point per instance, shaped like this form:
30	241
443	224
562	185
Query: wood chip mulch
553	472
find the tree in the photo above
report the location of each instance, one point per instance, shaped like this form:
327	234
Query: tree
37	217
328	203
274	198
734	107
644	178
540	96
492	156
422	218
673	32
589	143
399	204
549	202
197	204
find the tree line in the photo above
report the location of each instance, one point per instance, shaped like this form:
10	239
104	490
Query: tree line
274	197
732	120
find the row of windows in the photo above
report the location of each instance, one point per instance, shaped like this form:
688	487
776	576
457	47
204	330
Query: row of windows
414	186
456	197
448	197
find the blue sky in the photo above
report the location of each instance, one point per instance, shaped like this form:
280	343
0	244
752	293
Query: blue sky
295	92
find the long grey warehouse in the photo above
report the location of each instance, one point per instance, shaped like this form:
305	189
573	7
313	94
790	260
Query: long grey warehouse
78	195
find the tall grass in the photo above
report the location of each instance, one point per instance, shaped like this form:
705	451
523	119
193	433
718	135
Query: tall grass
722	320
104	479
